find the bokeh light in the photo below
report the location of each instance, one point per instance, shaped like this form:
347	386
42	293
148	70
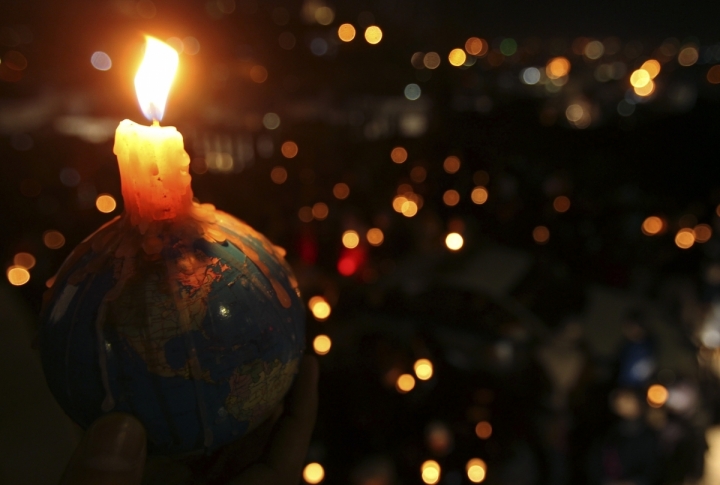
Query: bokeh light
431	60
703	233
685	238
105	203
313	473
476	470
457	57
350	239
423	369
418	174
24	260
341	191
657	395
398	155
454	241
17	275
101	61
541	234
53	239
451	198
305	214
320	211
652	226
646	90
258	74
319	307
713	74
278	175
373	34
594	49
451	164
688	56
271	121
322	344
375	236
412	92
652	67
639	78
561	204
483	430
476	46
508	47
430	472
324	15
289	149
479	195
346	32
557	67
409	208
405	383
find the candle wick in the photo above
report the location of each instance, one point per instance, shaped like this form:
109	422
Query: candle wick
155	122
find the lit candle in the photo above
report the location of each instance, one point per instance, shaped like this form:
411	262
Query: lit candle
153	163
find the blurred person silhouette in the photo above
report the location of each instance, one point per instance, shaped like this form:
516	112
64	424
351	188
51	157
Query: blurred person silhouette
628	453
114	449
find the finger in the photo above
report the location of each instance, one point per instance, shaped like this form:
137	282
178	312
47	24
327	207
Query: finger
112	452
288	448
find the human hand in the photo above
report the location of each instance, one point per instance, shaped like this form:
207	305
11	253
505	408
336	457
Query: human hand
113	450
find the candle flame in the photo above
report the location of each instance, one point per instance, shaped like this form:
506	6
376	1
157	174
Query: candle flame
154	78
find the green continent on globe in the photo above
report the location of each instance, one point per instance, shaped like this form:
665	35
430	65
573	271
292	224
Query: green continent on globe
257	387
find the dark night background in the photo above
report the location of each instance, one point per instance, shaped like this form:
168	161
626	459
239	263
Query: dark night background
497	318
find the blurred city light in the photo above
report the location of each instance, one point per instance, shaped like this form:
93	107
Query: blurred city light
398	155
322	344
313	473
483	430
454	241
561	204
53	239
346	32
17	275
405	383
105	203
350	239
451	164
430	472
657	395
479	195
24	260
653	226
685	238
457	57
476	470
423	369
373	34
541	234
375	236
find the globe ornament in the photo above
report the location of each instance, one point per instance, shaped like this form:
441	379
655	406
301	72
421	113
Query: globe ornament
175	312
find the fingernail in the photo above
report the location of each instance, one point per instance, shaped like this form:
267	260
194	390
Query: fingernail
116	443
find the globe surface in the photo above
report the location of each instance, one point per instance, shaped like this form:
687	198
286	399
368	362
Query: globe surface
200	339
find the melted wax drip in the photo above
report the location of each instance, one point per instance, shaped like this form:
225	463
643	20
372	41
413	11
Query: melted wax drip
125	241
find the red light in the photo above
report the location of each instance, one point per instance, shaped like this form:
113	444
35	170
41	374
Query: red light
347	266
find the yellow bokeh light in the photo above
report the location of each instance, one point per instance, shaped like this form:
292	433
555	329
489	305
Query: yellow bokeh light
346	32
646	90
430	472
476	470
451	198
451	164
373	34
322	344
289	149
640	78
313	473
350	239
652	67
479	195
398	203
405	383
483	430
398	155
53	239
24	260
652	226
454	241
341	191
375	236
703	233
409	208
17	275
685	238
561	204
278	175
476	46
557	67
105	203
541	234
319	307
423	369
688	56
320	211
154	77
431	60
457	57
657	395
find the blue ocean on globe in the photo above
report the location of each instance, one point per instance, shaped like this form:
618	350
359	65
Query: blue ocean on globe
200	341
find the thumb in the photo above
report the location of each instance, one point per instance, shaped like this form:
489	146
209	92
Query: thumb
112	452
